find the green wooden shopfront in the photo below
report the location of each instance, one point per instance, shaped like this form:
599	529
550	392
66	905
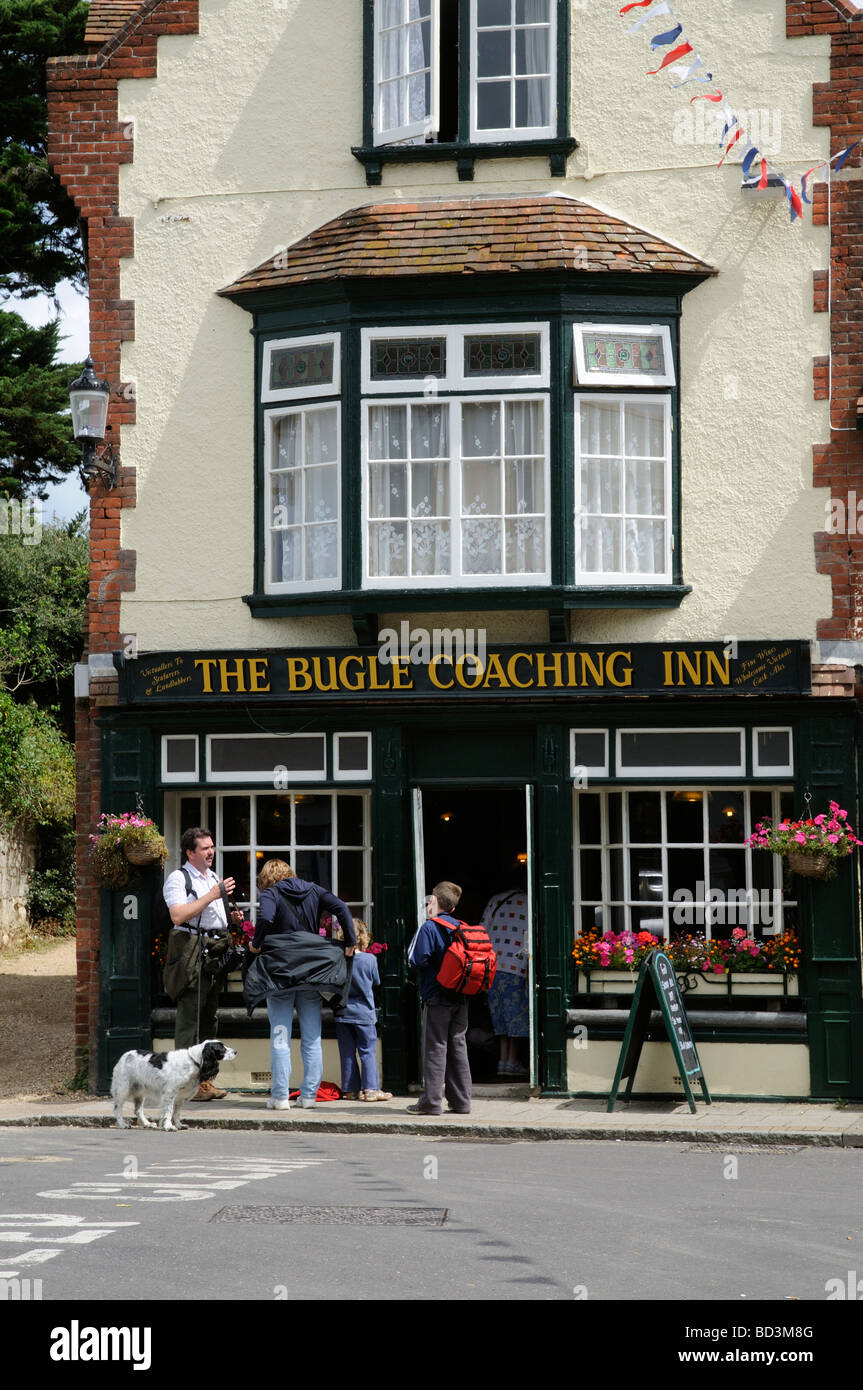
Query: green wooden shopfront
609	777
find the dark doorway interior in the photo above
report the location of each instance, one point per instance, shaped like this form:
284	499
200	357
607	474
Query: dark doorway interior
475	838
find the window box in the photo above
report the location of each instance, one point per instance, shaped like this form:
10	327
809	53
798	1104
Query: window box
694	986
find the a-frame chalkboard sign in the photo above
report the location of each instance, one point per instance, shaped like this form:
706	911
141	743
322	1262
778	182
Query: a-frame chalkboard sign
656	988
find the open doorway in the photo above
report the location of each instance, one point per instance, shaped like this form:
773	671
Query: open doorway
480	840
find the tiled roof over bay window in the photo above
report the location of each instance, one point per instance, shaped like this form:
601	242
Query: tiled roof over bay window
470	236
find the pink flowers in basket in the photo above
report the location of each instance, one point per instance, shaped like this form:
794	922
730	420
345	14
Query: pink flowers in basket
827	834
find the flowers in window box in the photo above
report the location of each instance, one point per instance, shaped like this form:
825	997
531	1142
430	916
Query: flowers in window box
122	843
689	954
811	846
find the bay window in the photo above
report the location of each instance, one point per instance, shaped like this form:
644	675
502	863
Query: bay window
458	457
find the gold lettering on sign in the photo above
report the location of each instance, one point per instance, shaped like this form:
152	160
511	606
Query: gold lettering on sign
626	678
298	673
206	663
259	679
402	678
542	660
510	671
236	675
360	681
597	673
494	671
374	682
434	677
320	683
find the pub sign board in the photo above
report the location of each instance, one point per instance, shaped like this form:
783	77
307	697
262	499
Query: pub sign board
657	988
448	673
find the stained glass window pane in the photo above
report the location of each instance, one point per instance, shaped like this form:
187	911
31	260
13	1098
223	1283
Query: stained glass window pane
621	352
504	354
407	358
309	365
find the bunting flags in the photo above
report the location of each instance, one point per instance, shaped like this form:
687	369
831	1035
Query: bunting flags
696	71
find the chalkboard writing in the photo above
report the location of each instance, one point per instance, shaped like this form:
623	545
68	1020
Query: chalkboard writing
657	988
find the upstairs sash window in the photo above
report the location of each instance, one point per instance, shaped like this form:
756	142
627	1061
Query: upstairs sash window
506	80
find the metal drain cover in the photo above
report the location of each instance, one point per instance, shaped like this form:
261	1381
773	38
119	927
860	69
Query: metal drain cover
337	1216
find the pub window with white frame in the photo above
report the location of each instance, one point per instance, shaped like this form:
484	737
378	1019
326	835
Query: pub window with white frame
352	757
324	835
588	752
623	524
456	488
673	861
680	752
510	70
303	487
772	752
266	758
180	758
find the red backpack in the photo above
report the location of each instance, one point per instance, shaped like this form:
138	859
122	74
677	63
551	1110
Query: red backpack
469	962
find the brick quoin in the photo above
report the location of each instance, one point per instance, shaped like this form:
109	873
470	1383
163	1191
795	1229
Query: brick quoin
838	464
86	146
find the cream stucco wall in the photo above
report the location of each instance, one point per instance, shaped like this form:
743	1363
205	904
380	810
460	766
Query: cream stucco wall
242	145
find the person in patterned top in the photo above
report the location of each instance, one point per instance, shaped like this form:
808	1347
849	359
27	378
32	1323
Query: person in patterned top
506	920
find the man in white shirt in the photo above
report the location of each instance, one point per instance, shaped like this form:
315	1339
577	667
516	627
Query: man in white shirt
205	913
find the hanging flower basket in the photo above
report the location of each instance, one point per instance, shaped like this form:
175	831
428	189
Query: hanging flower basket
812	865
813	846
144	853
122	844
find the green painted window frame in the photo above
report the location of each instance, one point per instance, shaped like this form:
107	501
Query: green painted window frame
403	314
463	151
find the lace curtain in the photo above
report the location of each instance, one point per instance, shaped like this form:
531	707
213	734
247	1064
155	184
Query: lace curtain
623	492
304	491
501	489
405	61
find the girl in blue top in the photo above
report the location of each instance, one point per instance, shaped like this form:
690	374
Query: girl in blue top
356	1026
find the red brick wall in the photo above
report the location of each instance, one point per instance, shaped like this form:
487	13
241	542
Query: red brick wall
86	146
838	462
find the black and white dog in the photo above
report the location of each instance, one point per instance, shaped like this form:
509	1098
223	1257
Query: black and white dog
167	1078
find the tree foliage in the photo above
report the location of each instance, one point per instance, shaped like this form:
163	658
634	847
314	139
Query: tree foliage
37	767
43	592
36	443
40	244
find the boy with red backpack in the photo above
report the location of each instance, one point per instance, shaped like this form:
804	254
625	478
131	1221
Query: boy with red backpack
469	966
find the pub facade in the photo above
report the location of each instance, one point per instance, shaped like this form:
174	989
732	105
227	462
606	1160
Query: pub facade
466	533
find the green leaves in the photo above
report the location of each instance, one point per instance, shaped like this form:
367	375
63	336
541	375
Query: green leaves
36	443
40	243
37	766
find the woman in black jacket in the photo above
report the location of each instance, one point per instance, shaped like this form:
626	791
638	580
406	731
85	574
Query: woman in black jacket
295	968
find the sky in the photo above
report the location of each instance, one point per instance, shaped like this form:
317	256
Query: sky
68	497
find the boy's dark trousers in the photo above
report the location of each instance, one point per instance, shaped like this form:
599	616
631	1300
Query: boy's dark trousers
446	1070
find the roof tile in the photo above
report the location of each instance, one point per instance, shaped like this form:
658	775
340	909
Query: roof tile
546	232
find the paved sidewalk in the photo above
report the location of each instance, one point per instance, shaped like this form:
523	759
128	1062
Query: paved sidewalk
512	1118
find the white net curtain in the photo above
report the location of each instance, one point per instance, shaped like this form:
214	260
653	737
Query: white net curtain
405	59
304	496
623	487
492	487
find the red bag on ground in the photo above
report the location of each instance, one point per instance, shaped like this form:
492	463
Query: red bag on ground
469	962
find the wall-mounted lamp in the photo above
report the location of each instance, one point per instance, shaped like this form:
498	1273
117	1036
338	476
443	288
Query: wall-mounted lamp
88	397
